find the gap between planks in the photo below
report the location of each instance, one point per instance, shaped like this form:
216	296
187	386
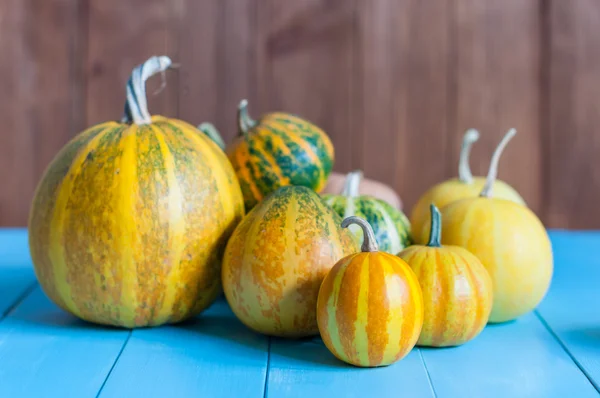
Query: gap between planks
266	390
114	363
427	371
26	292
566	349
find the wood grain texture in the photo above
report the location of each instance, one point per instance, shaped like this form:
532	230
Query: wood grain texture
41	81
497	87
218	63
573	167
421	117
394	83
123	34
213	355
307	67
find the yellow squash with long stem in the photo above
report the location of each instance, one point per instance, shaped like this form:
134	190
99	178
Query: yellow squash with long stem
370	307
511	243
457	289
465	186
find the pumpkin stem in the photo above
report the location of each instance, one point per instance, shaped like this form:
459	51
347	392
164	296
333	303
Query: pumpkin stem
435	233
245	122
369	241
351	184
464	171
211	131
493	171
136	107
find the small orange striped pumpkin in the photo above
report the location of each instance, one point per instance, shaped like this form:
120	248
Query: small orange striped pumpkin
370	307
457	289
130	220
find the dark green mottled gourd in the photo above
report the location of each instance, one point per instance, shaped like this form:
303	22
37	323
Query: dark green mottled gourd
391	227
278	150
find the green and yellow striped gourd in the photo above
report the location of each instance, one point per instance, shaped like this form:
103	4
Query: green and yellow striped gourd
390	225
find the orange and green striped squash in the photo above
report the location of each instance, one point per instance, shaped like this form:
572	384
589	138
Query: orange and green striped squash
277	258
370	306
130	220
457	289
278	150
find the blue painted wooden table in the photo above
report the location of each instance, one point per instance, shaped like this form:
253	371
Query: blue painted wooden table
44	352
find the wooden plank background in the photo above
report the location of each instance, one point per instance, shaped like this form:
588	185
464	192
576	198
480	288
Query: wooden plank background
394	82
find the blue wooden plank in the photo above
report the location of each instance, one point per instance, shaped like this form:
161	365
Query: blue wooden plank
522	358
16	273
15	282
45	352
14	247
305	368
213	355
571	309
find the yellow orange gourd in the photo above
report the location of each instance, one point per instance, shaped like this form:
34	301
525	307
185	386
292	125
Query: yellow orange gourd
457	289
370	307
465	186
511	243
130	220
277	258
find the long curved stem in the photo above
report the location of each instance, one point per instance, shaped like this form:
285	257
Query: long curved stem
493	171
369	241
136	107
435	233
211	132
464	170
245	122
351	183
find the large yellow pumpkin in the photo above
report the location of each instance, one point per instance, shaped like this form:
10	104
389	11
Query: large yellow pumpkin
277	258
130	220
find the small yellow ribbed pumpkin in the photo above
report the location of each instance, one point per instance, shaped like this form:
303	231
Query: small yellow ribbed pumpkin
511	243
465	186
130	220
370	307
457	289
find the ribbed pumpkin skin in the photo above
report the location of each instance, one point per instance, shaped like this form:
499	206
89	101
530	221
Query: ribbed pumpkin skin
370	309
277	258
450	191
511	243
457	293
280	150
390	225
129	223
